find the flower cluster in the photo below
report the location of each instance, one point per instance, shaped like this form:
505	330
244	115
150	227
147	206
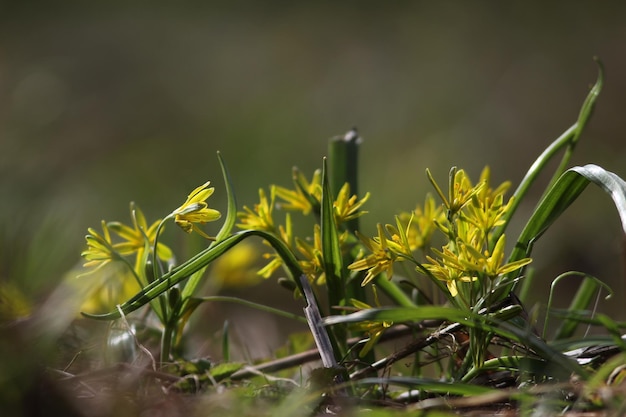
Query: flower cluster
305	198
469	218
136	245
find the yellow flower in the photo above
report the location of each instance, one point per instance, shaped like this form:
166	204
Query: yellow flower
449	270
488	194
421	223
313	263
111	287
347	207
380	260
460	191
488	209
100	250
490	264
285	234
136	237
305	196
261	217
235	269
195	210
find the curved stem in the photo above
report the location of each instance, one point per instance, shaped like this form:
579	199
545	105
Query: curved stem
257	306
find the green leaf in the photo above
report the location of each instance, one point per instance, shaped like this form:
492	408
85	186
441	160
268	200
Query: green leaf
331	250
227	226
558	198
224	370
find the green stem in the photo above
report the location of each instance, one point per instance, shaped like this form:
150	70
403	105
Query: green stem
568	139
166	342
393	291
343	154
262	307
531	176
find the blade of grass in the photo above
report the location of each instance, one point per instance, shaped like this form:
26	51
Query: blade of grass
568	140
558	198
584	115
251	304
581	301
231	217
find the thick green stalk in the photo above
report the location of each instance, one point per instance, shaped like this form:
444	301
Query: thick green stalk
343	153
343	157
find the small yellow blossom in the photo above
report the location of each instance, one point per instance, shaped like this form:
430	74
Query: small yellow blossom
312	264
305	196
285	234
100	249
448	270
380	260
136	237
460	191
490	264
261	217
488	194
488	209
421	223
196	210
347	207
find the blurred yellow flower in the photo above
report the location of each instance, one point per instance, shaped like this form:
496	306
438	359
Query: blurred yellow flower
14	304
301	198
112	286
100	250
196	210
236	268
139	236
261	217
421	223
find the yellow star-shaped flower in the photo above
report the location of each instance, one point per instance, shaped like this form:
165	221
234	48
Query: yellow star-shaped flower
196	210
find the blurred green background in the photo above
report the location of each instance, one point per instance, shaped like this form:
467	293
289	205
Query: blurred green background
105	104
